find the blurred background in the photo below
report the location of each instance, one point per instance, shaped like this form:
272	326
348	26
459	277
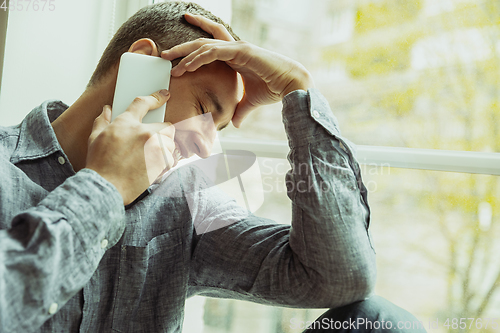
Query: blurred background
397	73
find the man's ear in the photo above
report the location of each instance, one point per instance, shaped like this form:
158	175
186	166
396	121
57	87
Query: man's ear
144	46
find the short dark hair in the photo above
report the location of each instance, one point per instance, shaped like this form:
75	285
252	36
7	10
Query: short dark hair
164	23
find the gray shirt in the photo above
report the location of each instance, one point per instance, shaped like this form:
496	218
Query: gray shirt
72	259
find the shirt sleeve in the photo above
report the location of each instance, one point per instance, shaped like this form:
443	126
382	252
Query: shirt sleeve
51	250
325	259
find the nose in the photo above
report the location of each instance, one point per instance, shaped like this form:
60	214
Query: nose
203	141
202	145
197	135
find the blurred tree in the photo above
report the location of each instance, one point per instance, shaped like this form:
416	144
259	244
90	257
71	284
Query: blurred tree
377	14
452	103
418	80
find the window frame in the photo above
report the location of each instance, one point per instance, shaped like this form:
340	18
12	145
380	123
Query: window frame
396	157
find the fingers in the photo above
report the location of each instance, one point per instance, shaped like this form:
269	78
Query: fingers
204	55
243	108
142	104
101	122
203	52
159	153
215	29
184	49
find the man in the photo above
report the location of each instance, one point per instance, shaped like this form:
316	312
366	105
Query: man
73	259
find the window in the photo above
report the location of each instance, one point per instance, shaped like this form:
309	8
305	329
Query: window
416	86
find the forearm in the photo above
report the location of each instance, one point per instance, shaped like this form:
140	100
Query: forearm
325	259
330	218
51	250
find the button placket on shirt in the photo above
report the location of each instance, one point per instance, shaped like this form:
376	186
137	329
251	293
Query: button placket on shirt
104	243
61	163
53	308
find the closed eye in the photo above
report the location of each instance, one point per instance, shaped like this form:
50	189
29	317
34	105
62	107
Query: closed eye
202	109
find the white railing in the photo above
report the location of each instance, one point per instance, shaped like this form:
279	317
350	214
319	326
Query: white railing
407	158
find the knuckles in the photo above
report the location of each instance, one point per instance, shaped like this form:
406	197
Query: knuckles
244	47
148	101
145	134
206	47
243	44
203	40
157	97
139	100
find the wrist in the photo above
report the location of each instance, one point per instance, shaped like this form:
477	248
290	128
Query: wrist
111	179
302	81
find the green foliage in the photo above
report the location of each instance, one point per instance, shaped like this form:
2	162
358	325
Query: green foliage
467	15
381	59
492	9
386	13
488	72
400	102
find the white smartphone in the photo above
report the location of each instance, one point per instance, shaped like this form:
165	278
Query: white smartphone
140	75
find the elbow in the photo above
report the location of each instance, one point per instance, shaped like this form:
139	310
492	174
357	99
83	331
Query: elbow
356	281
333	287
352	286
362	285
358	285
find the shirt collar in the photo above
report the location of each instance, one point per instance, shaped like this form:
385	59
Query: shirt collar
36	135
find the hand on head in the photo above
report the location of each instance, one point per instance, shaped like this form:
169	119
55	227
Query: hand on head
267	76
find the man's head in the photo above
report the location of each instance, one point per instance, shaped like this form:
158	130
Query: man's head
212	89
163	23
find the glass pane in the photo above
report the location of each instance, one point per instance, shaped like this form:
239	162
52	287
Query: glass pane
435	234
421	74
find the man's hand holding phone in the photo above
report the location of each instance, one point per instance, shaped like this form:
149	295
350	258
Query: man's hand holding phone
128	153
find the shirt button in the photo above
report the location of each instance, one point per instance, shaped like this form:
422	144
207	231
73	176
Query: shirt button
61	160
342	146
315	114
53	308
104	243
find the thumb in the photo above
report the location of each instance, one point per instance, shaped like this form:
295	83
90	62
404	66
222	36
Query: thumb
141	105
100	123
243	108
